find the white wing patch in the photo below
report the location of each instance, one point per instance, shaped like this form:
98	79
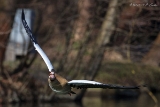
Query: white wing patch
83	82
93	84
44	56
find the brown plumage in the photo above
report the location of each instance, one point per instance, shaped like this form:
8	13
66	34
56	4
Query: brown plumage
59	84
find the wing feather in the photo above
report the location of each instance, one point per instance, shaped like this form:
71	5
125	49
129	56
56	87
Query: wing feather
37	47
92	84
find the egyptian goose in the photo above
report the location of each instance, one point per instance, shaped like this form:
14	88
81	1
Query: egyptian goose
59	84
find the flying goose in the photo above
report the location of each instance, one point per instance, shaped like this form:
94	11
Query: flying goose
58	83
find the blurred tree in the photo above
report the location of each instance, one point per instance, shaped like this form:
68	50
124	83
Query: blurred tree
7	8
86	10
153	56
106	32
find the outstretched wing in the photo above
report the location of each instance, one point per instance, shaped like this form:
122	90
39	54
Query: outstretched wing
92	84
37	47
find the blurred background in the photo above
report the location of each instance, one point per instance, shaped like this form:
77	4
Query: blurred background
110	41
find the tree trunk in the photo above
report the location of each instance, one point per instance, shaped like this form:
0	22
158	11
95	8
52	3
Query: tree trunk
85	8
106	32
153	56
5	27
108	25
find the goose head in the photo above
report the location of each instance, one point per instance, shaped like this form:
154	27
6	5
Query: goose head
52	76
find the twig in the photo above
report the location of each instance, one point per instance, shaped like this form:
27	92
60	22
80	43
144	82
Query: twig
4	33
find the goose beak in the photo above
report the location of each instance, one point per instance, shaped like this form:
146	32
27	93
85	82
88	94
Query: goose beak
52	76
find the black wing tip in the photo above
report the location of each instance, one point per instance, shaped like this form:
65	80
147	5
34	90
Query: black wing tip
27	28
136	87
23	15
